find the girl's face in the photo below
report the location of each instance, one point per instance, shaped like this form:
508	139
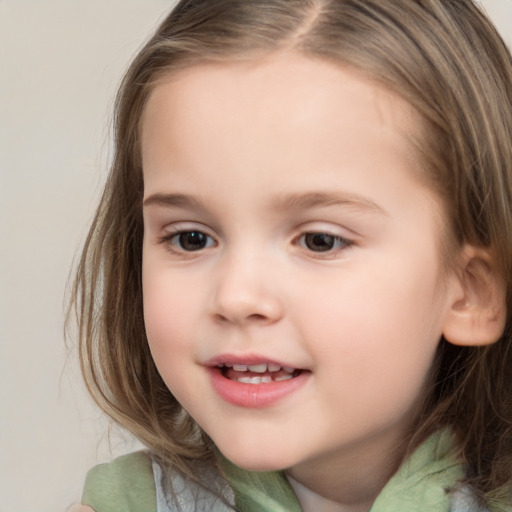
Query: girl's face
294	293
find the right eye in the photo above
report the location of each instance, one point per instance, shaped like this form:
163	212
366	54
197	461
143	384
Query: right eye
189	241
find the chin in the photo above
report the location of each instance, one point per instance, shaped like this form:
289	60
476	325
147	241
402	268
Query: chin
256	460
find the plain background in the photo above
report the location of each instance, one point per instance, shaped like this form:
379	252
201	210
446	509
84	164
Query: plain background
60	64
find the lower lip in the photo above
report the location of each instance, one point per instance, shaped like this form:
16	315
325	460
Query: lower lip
255	396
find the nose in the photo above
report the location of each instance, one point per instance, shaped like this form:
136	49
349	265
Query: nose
246	292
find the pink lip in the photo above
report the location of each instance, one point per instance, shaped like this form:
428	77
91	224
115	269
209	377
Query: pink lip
243	359
255	396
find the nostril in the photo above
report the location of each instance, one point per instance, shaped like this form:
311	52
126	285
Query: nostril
258	317
244	314
254	318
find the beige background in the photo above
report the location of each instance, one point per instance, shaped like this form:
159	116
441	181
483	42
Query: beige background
60	63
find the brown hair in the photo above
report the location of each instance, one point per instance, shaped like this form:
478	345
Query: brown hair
447	60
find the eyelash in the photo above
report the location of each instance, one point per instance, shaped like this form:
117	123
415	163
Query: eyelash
332	244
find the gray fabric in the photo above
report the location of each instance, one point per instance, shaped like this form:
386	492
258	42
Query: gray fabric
463	500
181	495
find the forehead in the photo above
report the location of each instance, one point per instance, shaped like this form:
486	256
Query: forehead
290	93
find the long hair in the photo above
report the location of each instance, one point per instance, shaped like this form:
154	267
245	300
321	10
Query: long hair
443	57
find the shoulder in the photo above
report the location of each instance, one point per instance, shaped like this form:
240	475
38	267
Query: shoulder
125	484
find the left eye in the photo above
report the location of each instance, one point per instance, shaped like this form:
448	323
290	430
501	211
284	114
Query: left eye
322	242
191	241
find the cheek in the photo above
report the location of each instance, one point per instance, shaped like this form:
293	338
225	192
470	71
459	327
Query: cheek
167	314
165	317
376	306
379	335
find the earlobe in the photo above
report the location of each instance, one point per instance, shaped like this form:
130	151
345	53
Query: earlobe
477	313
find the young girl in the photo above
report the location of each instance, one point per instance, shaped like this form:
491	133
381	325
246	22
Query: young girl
295	289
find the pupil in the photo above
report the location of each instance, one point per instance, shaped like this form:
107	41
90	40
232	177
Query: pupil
319	242
192	240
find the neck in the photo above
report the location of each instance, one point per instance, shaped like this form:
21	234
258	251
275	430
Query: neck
313	502
345	482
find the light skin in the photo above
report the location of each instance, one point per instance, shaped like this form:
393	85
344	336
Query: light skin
284	219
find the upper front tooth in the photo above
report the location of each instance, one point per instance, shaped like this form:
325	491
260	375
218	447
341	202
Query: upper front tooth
273	367
240	367
288	369
257	368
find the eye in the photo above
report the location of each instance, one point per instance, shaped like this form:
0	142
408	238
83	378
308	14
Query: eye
190	241
323	242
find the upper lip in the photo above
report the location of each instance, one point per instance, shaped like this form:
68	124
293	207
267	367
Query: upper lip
246	359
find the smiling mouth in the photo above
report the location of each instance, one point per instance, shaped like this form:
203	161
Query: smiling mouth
257	373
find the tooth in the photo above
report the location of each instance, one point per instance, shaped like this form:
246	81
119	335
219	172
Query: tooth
287	369
258	368
250	380
266	379
228	365
240	367
283	377
273	367
220	365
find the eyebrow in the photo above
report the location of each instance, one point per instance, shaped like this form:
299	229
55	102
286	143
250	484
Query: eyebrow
294	202
323	199
174	200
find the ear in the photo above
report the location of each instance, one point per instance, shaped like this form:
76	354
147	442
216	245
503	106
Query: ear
477	313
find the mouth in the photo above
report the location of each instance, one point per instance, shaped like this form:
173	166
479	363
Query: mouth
262	373
252	381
